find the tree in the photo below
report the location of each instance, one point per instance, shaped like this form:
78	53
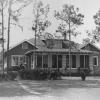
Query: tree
13	18
2	6
95	34
71	19
86	41
90	37
40	22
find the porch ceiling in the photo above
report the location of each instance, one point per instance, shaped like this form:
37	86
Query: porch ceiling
59	51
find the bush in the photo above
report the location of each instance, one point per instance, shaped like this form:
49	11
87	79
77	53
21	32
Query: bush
38	74
3	76
85	70
15	68
32	74
12	75
55	75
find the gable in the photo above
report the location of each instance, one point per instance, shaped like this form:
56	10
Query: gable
90	47
39	42
19	50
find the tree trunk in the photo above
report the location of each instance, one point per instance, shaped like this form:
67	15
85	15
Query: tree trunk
8	41
2	39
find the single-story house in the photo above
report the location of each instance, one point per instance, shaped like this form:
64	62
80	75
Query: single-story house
54	54
95	57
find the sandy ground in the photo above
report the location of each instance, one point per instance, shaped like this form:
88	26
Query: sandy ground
66	89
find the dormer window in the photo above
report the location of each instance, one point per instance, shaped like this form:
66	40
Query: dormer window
24	45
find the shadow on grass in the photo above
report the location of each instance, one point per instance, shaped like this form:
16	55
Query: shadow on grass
13	89
41	88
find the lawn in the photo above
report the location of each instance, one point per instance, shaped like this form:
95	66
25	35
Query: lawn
65	89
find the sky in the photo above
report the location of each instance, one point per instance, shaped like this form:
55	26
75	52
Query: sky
87	7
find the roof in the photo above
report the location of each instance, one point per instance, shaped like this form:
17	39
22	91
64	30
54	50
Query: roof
39	42
59	51
82	46
57	47
18	44
31	41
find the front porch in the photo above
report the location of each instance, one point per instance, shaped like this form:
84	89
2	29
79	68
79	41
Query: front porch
53	60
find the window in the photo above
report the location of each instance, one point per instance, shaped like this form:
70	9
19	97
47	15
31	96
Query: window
39	61
73	61
67	61
59	61
45	61
84	61
54	61
95	60
18	59
24	45
87	61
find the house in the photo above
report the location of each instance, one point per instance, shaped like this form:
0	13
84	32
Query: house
17	53
95	57
53	54
1	61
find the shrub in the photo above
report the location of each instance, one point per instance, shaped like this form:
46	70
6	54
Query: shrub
12	75
3	76
15	68
85	70
32	74
55	75
38	74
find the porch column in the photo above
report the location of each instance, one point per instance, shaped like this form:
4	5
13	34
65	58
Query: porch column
42	60
49	60
33	61
77	60
91	63
28	65
64	61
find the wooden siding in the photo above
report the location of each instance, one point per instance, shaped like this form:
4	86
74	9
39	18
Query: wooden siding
19	51
94	70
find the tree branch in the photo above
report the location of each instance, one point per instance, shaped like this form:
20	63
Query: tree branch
17	25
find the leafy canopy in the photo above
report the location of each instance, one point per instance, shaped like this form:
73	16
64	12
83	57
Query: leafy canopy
40	22
71	19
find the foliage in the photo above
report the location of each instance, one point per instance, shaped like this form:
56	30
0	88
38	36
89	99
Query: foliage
71	19
39	74
94	35
40	22
12	75
32	74
12	16
16	13
86	41
85	70
16	68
